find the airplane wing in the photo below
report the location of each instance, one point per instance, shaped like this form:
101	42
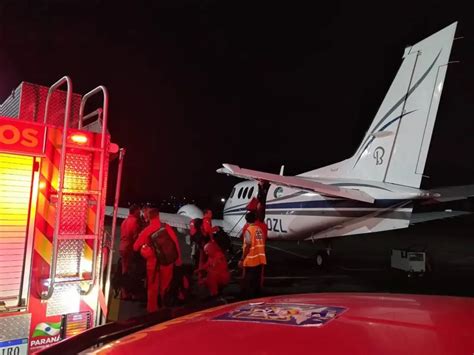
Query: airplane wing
174	220
296	182
182	222
122	212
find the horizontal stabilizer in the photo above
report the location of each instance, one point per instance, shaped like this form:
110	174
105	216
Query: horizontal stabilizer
422	217
394	217
452	193
296	182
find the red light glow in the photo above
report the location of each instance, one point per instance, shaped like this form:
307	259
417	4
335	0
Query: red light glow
79	138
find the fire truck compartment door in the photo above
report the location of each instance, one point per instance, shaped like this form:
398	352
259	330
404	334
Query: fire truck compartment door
16	174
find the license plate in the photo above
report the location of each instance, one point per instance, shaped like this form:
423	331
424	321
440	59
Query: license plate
14	347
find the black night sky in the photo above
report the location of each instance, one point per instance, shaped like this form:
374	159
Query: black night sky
194	84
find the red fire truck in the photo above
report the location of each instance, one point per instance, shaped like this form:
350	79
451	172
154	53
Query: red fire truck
54	163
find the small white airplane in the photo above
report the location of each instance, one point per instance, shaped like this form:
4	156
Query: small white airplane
372	191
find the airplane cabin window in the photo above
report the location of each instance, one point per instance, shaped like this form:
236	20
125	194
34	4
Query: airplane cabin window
251	192
232	193
240	193
244	195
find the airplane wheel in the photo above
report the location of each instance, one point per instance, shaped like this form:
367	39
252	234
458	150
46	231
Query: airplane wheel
320	260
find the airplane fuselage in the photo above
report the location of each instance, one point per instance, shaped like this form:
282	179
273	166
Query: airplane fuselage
296	214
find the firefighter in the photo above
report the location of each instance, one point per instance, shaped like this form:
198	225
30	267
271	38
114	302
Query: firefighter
207	229
258	203
158	277
200	239
129	230
217	273
259	223
263	187
252	205
253	256
144	215
196	241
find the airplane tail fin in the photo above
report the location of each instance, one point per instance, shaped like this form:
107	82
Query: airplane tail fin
395	148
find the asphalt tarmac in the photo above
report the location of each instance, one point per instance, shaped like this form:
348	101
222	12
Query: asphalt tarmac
358	264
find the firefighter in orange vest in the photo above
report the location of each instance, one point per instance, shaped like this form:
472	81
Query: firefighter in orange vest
253	257
158	279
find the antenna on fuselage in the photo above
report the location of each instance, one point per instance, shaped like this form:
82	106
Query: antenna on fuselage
282	170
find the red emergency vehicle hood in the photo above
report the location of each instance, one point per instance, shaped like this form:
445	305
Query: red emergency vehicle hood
315	324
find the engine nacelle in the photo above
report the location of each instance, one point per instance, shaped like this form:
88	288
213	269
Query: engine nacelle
191	211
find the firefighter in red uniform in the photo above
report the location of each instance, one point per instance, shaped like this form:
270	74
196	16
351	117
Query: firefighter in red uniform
257	205
144	215
158	278
129	230
216	267
263	187
253	257
252	205
207	229
197	241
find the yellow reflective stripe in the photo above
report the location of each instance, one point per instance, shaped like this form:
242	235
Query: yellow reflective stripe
257	246
255	256
94	182
87	252
91	219
43	246
50	171
47	211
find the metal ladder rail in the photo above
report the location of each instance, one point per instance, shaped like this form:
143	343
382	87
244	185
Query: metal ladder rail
105	109
62	164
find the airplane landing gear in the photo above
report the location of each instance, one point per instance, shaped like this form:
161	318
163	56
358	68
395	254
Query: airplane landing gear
322	257
320	260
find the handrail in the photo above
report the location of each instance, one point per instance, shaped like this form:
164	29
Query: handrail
235	225
105	107
94	113
62	163
114	223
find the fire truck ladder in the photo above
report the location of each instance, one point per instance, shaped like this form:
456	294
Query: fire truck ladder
69	236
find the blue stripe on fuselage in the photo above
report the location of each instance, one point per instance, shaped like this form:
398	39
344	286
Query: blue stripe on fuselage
333	204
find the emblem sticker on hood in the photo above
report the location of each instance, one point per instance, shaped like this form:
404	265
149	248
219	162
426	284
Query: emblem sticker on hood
306	315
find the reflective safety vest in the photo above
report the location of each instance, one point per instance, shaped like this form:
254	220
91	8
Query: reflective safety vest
256	255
